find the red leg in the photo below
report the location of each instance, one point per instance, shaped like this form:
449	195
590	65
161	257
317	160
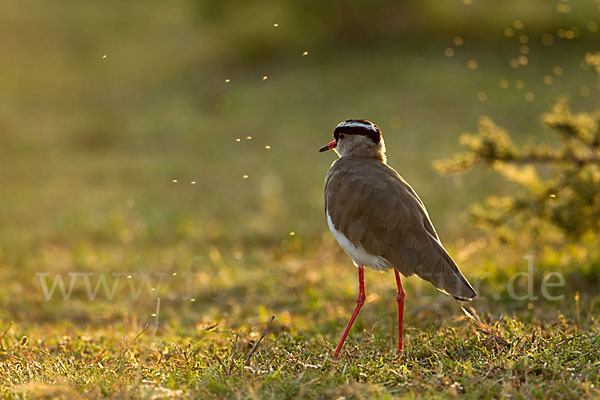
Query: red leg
400	300
360	300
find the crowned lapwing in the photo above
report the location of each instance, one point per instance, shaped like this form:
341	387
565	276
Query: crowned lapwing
379	220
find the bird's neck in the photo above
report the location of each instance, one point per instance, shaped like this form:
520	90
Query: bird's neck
375	154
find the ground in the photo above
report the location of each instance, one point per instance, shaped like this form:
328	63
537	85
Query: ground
187	349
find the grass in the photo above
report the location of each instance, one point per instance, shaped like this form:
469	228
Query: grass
90	147
446	355
119	349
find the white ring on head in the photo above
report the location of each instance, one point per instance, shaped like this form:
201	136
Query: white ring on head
355	124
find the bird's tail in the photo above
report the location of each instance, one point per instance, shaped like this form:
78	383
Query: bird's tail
445	276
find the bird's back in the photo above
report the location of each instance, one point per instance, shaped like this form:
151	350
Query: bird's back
373	206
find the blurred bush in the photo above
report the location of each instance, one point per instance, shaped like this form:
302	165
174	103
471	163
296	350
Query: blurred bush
560	199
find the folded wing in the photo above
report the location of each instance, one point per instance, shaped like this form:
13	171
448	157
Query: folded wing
372	205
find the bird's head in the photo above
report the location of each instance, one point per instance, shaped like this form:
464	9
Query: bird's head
357	138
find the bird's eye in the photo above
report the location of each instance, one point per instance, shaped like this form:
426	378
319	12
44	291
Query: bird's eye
342	135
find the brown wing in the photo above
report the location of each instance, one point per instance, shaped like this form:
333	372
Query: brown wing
371	204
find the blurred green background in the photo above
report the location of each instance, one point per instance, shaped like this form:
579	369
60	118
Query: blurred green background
104	104
176	137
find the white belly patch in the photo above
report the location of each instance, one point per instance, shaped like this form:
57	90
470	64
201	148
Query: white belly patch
357	253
